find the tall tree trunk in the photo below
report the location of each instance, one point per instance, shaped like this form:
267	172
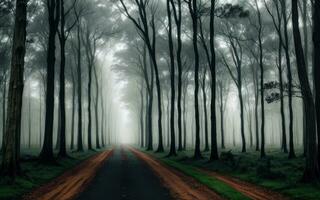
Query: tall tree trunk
184	120
29	118
96	108
206	134
316	63
40	120
178	19
4	111
168	118
79	77
89	108
261	65
73	109
62	106
243	137
11	148
311	173
103	142
58	128
193	8
283	119
256	115
150	109
141	119
172	151
289	76
214	146
222	116
46	154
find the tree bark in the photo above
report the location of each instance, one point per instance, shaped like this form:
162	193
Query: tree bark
172	151
316	63
311	173
193	8
46	154
11	148
96	108
62	106
262	152
79	77
289	76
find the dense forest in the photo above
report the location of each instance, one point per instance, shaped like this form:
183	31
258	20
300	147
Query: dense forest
207	78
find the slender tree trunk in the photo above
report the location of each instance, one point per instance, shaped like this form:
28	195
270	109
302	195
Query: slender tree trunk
89	108
79	74
46	154
261	65
4	111
40	120
244	149
73	109
222	116
96	108
289	76
206	134
172	151
29	120
178	18
11	148
150	108
283	119
141	119
62	106
102	116
184	120
168	119
58	128
193	8
256	116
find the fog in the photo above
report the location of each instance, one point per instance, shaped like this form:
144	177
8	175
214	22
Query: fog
103	75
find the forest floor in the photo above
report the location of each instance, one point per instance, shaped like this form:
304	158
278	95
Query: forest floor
246	174
36	174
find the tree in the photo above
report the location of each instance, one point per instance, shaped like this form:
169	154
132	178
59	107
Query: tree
261	65
79	80
277	22
236	51
11	148
172	151
289	76
142	24
193	9
311	173
178	20
316	63
53	7
63	36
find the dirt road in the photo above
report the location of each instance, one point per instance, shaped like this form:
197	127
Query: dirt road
71	183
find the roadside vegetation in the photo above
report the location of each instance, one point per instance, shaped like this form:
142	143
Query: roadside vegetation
36	173
273	172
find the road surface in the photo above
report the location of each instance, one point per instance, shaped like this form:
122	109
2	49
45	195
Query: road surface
125	177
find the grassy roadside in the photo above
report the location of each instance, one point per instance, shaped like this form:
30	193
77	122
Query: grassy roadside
36	174
218	186
276	173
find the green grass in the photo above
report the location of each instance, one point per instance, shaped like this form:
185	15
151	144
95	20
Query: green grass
218	186
278	174
37	174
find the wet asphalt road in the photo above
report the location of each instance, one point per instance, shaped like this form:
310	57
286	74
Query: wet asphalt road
125	177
